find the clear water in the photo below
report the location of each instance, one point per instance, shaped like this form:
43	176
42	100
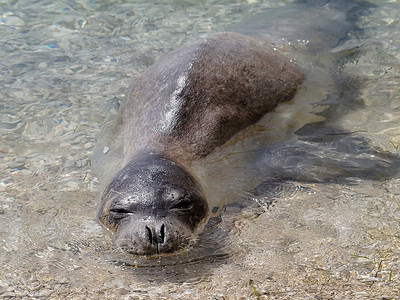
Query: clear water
320	234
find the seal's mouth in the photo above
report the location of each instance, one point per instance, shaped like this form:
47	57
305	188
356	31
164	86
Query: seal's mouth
158	250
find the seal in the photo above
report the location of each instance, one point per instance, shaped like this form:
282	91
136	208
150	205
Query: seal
181	109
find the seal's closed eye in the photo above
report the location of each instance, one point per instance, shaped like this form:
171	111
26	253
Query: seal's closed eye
182	204
119	212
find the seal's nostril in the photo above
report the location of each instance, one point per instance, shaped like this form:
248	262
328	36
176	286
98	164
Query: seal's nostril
149	235
162	234
154	237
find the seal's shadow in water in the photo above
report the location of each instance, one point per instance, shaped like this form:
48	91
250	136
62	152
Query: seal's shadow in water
326	152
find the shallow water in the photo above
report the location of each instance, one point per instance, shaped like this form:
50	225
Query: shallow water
325	235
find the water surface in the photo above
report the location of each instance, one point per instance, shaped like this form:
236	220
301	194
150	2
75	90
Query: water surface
326	235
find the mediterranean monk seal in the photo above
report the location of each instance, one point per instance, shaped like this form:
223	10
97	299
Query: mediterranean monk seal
181	109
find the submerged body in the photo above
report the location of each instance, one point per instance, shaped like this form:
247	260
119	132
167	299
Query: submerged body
180	110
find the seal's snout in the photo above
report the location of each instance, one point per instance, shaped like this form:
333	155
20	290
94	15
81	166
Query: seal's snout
155	236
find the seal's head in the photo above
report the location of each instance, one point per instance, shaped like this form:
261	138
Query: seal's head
153	206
